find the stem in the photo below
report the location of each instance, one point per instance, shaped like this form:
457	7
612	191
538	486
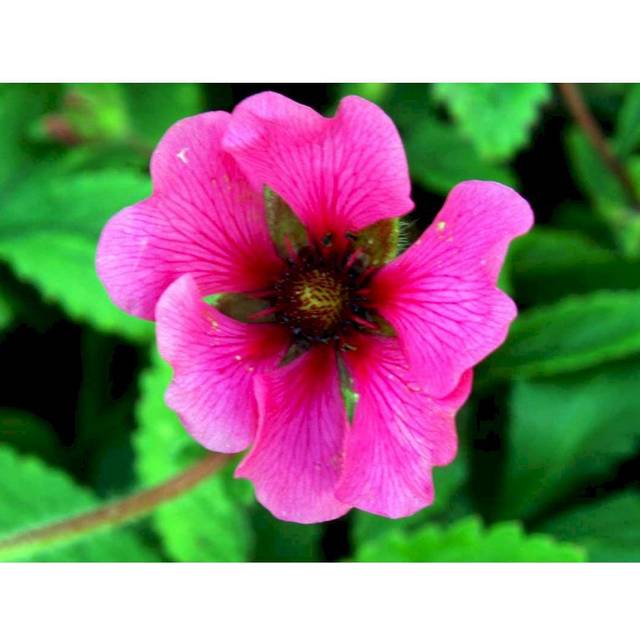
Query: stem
120	511
580	112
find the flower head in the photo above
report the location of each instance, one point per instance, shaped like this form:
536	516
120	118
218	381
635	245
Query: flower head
292	217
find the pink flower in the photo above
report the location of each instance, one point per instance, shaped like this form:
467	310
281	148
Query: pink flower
406	332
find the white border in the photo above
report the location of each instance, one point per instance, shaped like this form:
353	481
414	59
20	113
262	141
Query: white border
321	41
318	601
327	40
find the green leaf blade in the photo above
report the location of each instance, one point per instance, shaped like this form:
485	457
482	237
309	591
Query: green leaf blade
550	264
20	106
627	132
49	229
467	541
609	528
570	335
152	108
439	158
568	432
496	117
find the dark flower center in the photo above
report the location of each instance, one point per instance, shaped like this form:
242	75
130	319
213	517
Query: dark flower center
313	300
321	296
322	293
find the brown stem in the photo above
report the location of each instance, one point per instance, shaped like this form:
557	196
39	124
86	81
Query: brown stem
578	108
120	511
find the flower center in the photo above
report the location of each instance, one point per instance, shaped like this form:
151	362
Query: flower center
312	301
321	296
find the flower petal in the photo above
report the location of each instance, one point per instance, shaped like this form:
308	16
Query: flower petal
203	218
440	295
296	458
399	432
214	360
338	174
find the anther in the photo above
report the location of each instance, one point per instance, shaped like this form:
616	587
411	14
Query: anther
364	323
352	258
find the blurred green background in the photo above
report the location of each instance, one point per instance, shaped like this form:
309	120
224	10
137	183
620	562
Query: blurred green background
550	438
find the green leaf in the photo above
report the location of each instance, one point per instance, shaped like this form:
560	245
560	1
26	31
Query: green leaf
49	229
572	334
609	529
135	115
592	175
20	106
6	313
95	111
604	98
581	217
567	432
548	264
610	201
408	105
153	108
627	132
377	92
439	158
210	523
496	118
467	541
27	433
32	495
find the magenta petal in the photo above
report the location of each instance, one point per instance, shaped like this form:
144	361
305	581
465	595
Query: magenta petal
441	296
338	174
398	434
296	458
203	218
214	360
